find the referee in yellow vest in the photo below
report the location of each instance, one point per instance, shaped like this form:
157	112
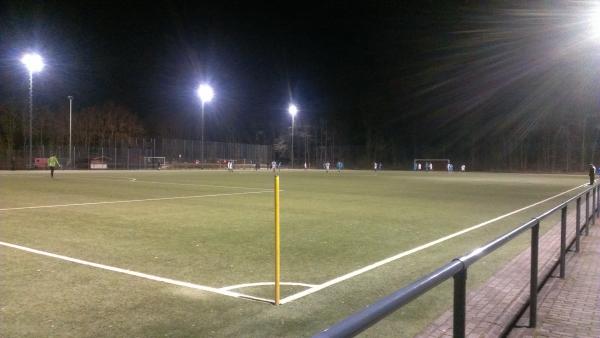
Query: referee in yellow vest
52	164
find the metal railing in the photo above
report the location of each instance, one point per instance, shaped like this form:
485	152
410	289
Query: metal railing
458	268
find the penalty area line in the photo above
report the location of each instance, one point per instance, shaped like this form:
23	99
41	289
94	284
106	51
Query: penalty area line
135	200
414	250
139	274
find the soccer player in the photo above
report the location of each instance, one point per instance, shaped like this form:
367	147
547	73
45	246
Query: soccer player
463	168
52	164
375	166
273	166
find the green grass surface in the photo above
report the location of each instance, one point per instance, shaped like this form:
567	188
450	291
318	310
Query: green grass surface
332	224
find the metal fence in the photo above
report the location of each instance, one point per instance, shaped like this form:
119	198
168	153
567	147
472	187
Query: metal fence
458	268
130	154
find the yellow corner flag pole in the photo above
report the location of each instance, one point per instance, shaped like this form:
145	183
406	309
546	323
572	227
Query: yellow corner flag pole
277	244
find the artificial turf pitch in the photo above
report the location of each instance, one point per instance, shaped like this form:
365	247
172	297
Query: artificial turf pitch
215	229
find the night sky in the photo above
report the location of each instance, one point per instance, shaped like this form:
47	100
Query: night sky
382	65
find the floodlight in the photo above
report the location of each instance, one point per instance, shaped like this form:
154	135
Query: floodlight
33	62
293	110
594	21
206	93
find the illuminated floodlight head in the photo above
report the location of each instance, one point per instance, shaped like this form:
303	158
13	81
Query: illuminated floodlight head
205	93
293	110
33	62
594	21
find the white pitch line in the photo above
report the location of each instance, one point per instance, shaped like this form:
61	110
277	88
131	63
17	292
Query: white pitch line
411	251
134	201
132	179
248	285
199	185
138	274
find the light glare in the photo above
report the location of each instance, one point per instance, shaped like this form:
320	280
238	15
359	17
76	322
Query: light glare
206	93
293	110
33	62
594	22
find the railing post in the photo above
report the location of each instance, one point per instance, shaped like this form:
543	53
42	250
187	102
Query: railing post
587	213
594	206
460	303
533	284
597	201
563	240
578	224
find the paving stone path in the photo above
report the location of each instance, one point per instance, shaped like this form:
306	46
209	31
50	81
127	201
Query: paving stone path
567	307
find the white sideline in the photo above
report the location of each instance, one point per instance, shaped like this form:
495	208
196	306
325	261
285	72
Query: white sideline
138	274
411	251
133	201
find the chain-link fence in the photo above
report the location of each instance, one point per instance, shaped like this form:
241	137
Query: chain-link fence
178	153
130	155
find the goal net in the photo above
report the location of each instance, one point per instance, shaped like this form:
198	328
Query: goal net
431	164
154	162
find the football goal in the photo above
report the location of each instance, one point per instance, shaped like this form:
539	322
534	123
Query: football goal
154	162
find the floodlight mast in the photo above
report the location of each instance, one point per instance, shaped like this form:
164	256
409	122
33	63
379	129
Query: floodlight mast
206	94
34	64
293	110
70	129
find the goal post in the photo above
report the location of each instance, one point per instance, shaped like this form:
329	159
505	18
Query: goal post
154	162
431	164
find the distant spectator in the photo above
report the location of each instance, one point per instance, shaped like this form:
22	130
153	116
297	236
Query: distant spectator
592	174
